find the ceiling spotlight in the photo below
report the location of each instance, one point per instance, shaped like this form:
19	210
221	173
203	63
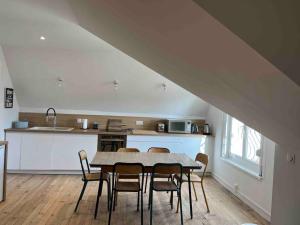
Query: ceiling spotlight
164	86
116	84
60	82
42	38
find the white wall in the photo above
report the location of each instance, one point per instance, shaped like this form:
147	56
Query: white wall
6	115
254	192
286	192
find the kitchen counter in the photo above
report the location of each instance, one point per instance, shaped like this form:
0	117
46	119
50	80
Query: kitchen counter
103	132
74	131
154	133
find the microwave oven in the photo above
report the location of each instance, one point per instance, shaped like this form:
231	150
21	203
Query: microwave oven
179	126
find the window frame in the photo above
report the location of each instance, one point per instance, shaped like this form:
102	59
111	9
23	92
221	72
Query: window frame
242	162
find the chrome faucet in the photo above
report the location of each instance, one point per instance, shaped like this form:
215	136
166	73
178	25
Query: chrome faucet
53	116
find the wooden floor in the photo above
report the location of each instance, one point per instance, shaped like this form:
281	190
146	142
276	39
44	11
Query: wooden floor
50	199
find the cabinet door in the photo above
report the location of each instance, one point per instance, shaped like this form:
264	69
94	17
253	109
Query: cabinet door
14	152
66	147
143	142
36	151
190	145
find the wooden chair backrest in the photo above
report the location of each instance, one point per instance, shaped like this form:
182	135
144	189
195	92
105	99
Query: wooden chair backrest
158	150
83	157
167	168
128	150
202	158
128	168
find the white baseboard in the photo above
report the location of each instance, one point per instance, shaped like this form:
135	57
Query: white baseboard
257	208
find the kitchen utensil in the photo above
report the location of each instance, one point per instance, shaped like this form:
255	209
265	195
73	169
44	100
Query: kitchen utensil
206	129
161	127
195	128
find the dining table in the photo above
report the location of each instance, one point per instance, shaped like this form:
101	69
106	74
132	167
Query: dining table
106	161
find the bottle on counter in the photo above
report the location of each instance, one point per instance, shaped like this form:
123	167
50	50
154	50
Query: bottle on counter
84	124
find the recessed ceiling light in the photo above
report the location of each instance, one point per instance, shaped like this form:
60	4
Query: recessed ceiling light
42	38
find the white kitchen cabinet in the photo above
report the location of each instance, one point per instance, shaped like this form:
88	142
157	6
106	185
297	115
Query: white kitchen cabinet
66	147
36	150
188	144
48	151
14	154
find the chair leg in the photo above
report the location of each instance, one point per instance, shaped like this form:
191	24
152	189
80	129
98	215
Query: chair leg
177	199
180	203
111	206
205	197
171	199
168	181
149	201
80	196
108	194
190	195
138	202
98	196
142	208
195	191
115	200
151	206
146	181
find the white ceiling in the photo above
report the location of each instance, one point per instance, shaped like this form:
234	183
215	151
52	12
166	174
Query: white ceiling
87	64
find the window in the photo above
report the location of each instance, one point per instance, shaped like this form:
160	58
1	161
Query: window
242	145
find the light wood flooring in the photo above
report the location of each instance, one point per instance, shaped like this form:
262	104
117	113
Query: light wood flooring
50	199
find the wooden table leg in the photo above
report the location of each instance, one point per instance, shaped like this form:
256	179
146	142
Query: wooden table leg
98	196
190	194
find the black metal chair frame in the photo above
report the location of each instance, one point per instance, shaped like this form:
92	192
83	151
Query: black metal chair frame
172	171
146	182
115	179
85	182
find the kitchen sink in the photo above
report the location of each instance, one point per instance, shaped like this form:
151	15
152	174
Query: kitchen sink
52	128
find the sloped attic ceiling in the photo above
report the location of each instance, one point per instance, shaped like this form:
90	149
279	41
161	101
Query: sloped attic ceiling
271	27
87	64
182	41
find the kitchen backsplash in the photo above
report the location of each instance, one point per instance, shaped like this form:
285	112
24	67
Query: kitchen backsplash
70	120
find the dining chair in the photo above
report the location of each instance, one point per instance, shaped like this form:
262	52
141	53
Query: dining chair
128	150
88	176
127	186
194	178
167	185
156	150
126	176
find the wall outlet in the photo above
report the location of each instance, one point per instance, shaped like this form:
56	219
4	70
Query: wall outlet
291	158
139	123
